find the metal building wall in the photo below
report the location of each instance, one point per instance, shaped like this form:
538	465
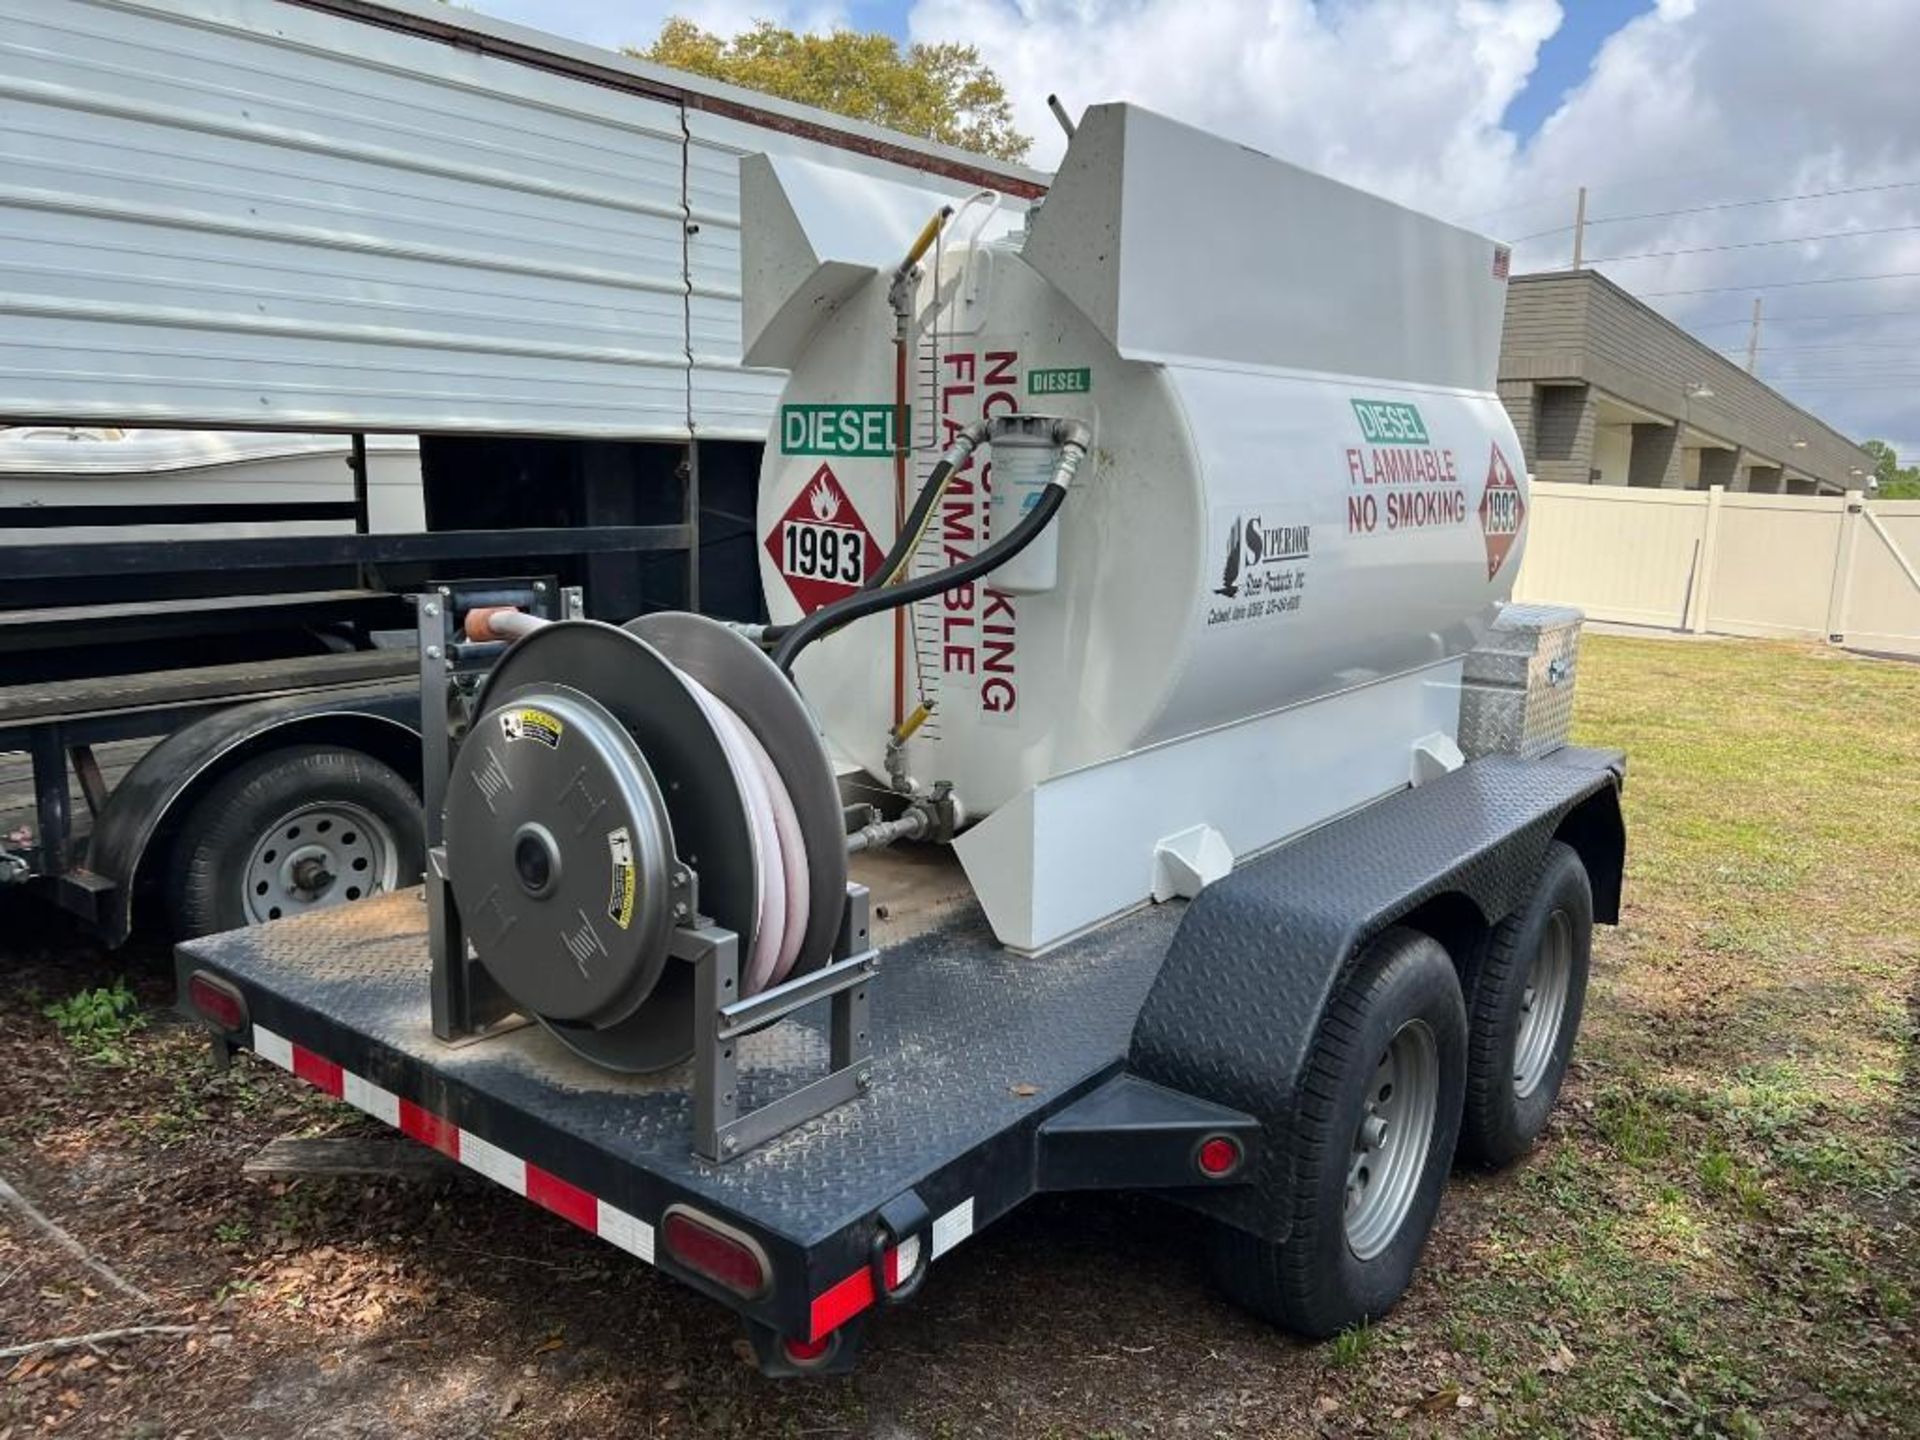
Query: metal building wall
249	213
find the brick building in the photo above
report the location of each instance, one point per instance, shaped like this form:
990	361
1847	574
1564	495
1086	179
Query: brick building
1606	391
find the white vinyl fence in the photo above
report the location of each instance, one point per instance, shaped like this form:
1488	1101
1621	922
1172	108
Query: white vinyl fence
1730	563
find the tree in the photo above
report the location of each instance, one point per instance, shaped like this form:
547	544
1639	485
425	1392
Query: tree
1897	482
939	92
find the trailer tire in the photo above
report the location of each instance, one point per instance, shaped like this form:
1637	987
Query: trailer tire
1524	1006
1339	1268
357	799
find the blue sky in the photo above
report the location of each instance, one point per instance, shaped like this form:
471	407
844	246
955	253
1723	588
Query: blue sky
1706	187
1562	63
1566	56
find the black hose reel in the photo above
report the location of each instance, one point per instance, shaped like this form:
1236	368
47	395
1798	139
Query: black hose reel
599	804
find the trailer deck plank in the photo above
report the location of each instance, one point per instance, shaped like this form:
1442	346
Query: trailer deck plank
969	1041
154	689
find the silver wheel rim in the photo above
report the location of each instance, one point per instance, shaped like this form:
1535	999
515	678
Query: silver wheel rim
316	857
1543	1005
1391	1141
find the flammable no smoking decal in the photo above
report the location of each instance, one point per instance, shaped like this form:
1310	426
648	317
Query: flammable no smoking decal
821	545
1502	511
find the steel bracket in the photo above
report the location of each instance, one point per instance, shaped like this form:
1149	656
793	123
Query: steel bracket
724	1129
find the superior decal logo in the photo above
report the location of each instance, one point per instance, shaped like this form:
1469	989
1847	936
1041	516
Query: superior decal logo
1264	572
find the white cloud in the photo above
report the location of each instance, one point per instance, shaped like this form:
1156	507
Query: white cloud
1695	102
1395	95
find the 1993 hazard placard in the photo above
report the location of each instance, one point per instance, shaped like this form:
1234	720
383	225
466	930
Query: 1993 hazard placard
821	545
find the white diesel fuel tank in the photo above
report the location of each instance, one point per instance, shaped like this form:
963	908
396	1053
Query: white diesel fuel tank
1301	483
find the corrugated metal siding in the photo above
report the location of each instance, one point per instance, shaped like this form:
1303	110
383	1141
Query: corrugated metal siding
226	216
248	213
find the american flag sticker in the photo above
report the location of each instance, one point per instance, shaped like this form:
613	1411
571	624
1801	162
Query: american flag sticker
1502	261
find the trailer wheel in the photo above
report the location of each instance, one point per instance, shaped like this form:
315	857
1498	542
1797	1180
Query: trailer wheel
297	829
1524	1012
1373	1140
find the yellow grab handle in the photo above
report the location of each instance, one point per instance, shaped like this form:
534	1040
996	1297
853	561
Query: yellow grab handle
927	233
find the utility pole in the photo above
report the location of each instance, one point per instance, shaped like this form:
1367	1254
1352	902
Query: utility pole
1579	226
1753	337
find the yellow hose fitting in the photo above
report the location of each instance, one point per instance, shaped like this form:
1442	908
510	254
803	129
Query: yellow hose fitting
903	732
928	234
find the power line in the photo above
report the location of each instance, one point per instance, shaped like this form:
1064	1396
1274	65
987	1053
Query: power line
1840	370
1851	384
1722	205
1753	244
1913	345
1647	181
1783	284
1790	319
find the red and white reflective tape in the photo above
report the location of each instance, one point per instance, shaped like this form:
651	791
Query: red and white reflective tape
523	1177
831	1308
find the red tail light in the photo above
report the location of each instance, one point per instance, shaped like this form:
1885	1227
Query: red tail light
217	1002
1218	1157
807	1353
719	1252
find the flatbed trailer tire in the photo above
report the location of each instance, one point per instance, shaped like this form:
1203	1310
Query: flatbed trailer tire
1314	1281
301	787
1524	1006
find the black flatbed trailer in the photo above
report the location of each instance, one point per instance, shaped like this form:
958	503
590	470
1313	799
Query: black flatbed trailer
1106	1063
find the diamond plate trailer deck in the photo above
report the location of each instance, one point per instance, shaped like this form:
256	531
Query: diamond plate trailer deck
993	1076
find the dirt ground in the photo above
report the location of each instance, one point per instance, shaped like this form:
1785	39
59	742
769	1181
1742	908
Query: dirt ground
1718	1236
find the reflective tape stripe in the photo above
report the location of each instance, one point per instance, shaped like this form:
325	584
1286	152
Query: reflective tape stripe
570	1202
319	1072
429	1129
379	1103
951	1228
543	1187
840	1302
269	1045
493	1162
630	1233
830	1309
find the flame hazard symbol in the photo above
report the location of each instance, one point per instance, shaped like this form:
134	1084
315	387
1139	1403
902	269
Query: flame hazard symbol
1503	511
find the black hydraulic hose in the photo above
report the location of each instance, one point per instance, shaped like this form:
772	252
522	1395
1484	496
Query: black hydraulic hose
915	526
903	543
871	602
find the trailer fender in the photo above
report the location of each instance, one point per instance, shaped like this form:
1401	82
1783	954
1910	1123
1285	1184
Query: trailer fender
1237	1004
384	722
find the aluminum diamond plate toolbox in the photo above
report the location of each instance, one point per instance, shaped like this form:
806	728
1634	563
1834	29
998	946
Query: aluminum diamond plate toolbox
1516	696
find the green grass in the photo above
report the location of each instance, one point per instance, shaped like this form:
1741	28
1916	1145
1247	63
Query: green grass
1723	1222
98	1022
1350	1347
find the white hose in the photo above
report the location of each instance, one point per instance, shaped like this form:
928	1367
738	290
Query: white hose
779	855
793	858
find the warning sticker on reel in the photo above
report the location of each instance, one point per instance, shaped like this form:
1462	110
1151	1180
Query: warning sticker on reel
624	891
530	724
